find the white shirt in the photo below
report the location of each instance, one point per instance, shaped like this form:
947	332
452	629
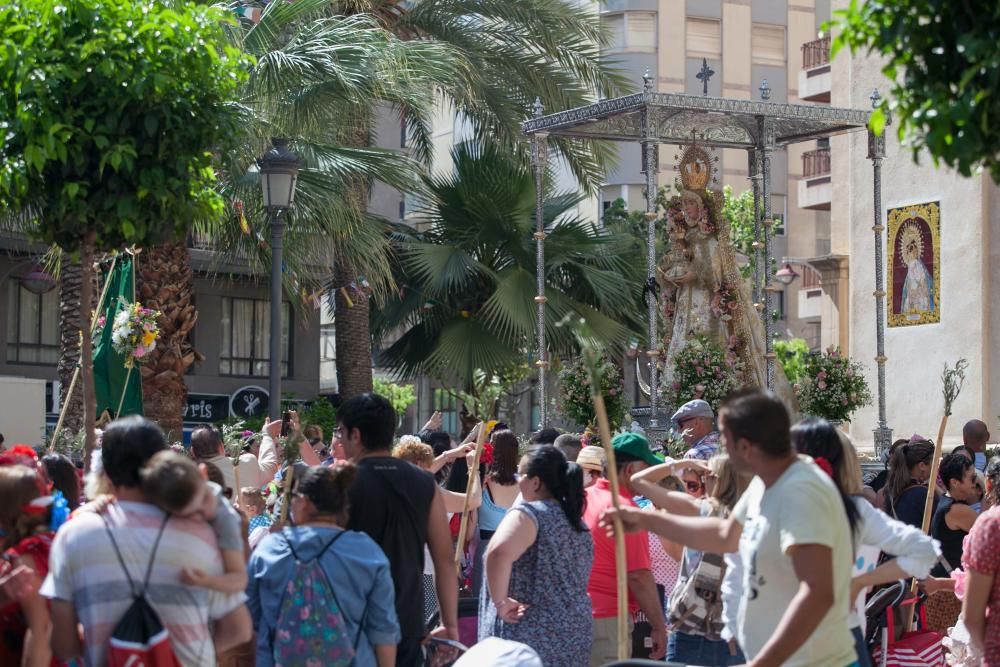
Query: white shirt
916	553
802	507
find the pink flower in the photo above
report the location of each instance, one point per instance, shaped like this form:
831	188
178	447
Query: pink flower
843	401
613	392
140	352
821	384
700	388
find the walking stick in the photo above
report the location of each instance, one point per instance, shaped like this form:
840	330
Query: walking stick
952	378
463	525
591	356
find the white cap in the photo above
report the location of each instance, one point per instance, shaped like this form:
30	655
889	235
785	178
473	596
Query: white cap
496	652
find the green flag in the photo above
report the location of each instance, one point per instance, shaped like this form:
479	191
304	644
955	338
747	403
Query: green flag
114	385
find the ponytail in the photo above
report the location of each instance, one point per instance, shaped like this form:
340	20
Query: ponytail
818	438
904	457
562	479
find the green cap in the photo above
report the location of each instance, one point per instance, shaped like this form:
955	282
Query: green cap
635	446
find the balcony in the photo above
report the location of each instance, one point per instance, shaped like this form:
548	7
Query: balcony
814	77
815	187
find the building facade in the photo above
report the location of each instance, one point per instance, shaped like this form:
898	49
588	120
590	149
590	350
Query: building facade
232	333
939	232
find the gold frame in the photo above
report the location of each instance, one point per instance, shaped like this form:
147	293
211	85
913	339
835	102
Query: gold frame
930	212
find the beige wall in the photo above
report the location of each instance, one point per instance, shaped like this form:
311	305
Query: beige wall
916	354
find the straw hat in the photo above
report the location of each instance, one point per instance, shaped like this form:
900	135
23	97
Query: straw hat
591	458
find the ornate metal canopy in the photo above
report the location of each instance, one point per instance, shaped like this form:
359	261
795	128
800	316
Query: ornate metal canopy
675	118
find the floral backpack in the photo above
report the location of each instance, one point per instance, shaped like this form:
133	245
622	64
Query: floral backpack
311	630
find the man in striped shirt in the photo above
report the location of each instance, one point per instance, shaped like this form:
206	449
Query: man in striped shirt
87	584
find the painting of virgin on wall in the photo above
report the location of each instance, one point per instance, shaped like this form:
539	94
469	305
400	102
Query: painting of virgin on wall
914	272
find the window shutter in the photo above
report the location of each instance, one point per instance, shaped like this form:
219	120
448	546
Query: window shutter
767	44
641	30
704	38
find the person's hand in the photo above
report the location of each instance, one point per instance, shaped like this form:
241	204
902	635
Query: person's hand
294	427
272	429
659	637
459	452
510	610
932	585
470	456
692	464
444	655
19	583
631	518
98	505
435	422
193	576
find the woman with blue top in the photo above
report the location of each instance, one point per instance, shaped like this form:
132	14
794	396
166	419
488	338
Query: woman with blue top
356	572
499	493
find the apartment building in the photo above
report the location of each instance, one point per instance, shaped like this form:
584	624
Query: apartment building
745	43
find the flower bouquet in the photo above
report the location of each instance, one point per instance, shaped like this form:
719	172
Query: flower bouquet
703	370
832	386
574	392
134	331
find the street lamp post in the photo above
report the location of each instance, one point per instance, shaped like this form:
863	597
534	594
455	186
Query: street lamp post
279	170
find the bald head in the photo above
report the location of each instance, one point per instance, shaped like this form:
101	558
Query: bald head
975	435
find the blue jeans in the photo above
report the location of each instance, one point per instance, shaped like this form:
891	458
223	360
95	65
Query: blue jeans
864	658
696	650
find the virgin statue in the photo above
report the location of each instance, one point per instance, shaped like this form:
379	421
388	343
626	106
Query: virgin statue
704	296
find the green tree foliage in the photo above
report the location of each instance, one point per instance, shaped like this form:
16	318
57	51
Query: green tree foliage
109	113
401	396
792	355
315	74
943	59
467	284
111	110
739	211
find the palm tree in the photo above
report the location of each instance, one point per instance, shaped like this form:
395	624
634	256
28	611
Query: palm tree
467	284
316	76
514	52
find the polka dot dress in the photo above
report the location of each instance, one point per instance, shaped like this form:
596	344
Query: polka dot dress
982	554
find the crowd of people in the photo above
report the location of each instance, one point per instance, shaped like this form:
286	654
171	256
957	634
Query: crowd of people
758	546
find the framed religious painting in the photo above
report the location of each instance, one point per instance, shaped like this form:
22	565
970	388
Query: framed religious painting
914	271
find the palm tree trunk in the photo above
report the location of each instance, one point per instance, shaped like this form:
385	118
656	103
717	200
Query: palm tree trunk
86	350
70	326
354	339
165	282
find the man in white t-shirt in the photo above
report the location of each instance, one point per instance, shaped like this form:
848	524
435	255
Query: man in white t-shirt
792	535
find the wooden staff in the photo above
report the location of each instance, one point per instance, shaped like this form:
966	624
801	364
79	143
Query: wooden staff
591	353
621	577
953	380
463	525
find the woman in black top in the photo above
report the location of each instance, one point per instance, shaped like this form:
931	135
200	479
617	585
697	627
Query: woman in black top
953	518
905	491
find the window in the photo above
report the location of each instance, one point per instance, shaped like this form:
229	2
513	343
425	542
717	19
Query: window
641	30
615	26
447	405
246	337
704	38
32	325
631	30
779	304
767	44
327	347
